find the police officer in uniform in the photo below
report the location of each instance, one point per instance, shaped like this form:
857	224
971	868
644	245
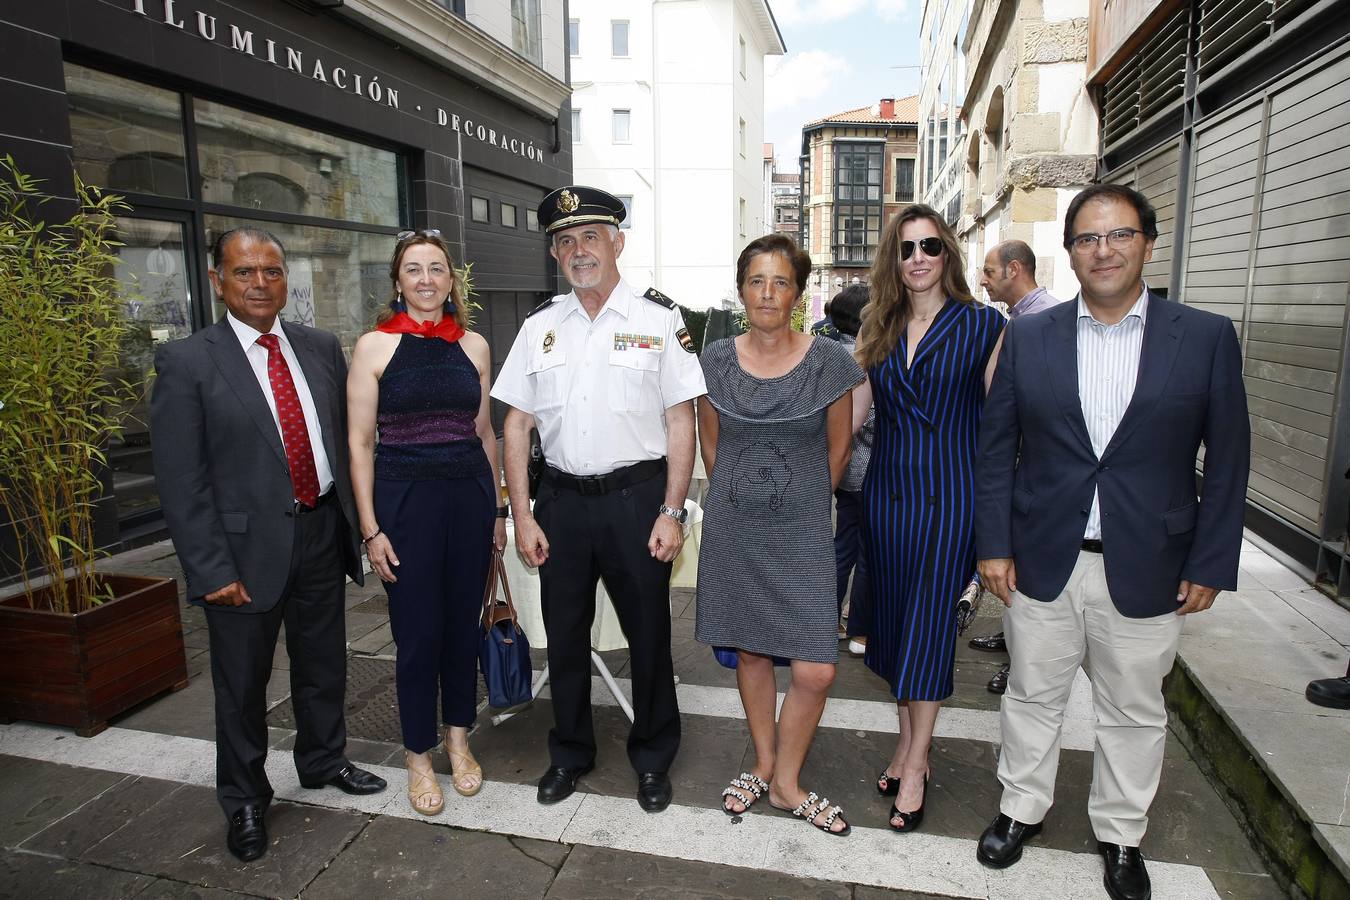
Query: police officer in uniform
608	375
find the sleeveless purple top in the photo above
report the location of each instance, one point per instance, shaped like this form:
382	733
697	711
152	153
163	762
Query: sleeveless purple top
429	396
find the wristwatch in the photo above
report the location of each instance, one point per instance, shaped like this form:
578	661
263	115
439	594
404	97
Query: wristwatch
678	513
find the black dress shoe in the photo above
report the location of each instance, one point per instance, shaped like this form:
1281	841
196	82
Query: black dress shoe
992	642
247	836
559	782
1001	844
1125	878
1332	692
351	780
999	683
654	791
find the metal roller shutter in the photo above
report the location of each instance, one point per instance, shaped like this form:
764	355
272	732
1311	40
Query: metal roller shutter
1155	176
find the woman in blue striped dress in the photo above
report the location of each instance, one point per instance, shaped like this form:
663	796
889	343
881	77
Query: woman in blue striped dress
929	350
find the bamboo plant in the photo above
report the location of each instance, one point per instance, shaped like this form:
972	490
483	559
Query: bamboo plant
61	333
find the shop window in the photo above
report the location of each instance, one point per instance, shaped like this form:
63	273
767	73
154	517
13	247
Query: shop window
574	37
270	192
627	200
508	216
531	220
479	209
622	126
618	38
334	178
126	136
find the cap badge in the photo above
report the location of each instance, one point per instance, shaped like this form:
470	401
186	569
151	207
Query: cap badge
568	201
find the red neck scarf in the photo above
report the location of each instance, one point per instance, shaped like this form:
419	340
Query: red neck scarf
447	329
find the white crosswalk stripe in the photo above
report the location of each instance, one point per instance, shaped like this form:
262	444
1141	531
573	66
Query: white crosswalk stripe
871	856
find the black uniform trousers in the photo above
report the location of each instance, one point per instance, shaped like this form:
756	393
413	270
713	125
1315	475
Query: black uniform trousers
605	537
441	532
242	647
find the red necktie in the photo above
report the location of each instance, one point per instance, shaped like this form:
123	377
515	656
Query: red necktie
294	434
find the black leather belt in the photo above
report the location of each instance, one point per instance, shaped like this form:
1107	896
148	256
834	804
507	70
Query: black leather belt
301	509
594	485
1092	546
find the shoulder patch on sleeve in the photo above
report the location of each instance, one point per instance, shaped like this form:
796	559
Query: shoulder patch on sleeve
657	297
541	307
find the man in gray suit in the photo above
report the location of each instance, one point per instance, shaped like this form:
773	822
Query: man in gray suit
250	445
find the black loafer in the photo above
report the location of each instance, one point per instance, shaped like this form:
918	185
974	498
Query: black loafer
1001	844
246	835
1330	692
351	780
994	643
1125	878
559	782
999	683
654	791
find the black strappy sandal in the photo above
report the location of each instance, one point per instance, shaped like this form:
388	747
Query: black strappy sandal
892	784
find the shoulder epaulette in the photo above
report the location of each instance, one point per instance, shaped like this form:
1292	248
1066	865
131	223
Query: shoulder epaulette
657	297
541	307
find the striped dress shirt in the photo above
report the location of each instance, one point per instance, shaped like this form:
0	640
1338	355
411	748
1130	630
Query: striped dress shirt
1108	367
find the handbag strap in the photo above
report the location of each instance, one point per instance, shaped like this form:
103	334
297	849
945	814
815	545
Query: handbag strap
491	602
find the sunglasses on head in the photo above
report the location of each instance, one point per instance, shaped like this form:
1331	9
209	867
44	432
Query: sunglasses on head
425	232
931	246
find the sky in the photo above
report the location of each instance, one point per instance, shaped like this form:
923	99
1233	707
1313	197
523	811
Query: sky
842	54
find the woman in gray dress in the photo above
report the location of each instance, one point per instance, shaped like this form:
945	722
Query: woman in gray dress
775	431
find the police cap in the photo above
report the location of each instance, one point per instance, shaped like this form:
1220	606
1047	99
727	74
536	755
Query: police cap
577	204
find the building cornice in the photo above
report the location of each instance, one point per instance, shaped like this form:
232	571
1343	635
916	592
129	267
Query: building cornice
762	16
435	33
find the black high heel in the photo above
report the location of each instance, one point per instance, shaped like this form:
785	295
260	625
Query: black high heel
892	784
909	821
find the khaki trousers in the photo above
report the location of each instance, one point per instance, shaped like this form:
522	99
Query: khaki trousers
1126	660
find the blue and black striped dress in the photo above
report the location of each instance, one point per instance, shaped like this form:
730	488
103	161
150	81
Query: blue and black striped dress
918	497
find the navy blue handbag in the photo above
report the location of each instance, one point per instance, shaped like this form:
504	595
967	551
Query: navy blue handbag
503	650
726	658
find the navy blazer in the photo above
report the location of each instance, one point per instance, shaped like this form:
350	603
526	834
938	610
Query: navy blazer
1036	469
220	466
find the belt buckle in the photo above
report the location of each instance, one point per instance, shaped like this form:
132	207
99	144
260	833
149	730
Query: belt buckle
301	509
590	485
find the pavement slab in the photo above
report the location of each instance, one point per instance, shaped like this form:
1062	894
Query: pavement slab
34	794
602	874
399	858
29	875
75	835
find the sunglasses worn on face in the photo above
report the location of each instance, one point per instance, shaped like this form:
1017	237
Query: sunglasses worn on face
931	246
425	232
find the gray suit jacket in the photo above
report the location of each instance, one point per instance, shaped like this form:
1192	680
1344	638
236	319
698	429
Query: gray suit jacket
220	467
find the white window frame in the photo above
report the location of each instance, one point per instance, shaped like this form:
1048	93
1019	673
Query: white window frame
573	30
744	54
627	34
617	116
576	125
627	200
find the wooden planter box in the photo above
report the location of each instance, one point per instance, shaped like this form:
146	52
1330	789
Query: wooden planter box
81	670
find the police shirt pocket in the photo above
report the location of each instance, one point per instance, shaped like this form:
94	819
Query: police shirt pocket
1182	519
634	387
547	372
234	522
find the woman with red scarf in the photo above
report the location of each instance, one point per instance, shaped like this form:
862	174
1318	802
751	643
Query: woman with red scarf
424	470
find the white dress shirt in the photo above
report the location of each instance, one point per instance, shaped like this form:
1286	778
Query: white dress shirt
257	359
1108	367
599	389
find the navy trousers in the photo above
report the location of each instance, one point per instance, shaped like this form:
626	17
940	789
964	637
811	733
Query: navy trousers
849	523
441	532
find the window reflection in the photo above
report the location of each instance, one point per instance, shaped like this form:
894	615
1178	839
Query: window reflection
337	280
125	136
260	163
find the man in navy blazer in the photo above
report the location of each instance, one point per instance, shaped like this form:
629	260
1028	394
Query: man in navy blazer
1088	525
255	554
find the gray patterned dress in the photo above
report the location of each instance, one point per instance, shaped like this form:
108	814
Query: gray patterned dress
766	575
